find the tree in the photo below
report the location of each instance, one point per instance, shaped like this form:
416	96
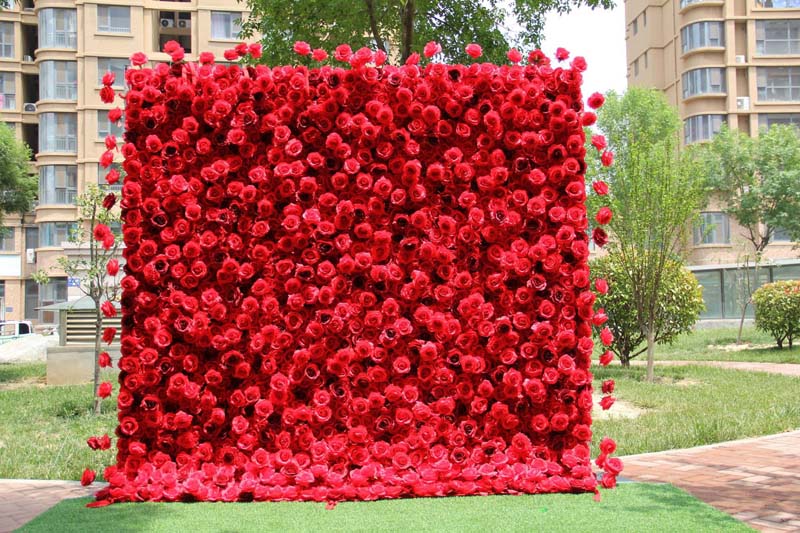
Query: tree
757	181
17	186
97	272
655	193
406	24
680	301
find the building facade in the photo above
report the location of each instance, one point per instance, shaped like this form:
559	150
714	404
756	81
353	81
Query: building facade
53	54
734	62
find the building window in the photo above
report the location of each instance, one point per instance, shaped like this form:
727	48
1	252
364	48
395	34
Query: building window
6	39
703	81
711	281
644	18
53	292
55	233
635	26
101	177
701	127
8	90
713	228
777	37
105	127
225	25
32	237
645	59
702	35
58	28
767	120
778	84
58	80
778	4
781	235
636	67
116	65
114	19
685	3
7	239
58	184
58	132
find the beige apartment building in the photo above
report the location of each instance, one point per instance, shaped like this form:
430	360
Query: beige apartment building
53	54
722	61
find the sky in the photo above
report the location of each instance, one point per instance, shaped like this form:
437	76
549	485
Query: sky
598	36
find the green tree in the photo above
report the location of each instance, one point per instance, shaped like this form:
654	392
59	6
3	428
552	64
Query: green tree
757	181
655	194
92	269
406	24
17	186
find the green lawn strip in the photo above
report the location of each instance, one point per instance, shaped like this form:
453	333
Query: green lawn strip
12	372
630	507
695	346
695	405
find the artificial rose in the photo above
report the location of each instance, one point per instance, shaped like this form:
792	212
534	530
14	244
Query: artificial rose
104	390
474	50
88	477
104	360
302	48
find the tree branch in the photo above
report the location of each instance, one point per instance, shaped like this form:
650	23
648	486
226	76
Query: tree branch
373	24
408	13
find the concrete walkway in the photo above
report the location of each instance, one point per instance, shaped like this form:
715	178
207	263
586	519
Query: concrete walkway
787	369
755	480
21	500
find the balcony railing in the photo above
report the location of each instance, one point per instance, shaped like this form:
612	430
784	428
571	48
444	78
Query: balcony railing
59	144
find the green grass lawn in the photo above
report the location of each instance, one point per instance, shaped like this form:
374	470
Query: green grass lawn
695	346
695	405
633	507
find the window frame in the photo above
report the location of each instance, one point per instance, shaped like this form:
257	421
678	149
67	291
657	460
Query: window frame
50	193
7	47
706	227
104	65
698	35
105	19
699	81
64	31
68	88
64	143
9	98
764	88
696	127
230	35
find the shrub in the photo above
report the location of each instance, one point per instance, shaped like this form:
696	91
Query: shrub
778	310
680	304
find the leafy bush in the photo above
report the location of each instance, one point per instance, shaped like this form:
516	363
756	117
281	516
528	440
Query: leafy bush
778	310
680	303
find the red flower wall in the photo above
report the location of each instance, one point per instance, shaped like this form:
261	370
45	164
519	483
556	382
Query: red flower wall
354	283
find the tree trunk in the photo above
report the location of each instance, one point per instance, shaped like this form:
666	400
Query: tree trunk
373	24
741	324
625	360
407	40
651	349
98	330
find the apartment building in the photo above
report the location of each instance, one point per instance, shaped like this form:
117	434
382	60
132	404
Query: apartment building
53	54
718	62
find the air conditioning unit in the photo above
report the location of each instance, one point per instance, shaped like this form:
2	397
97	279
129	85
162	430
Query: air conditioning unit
183	23
27	58
30	256
743	103
29	107
741	60
167	23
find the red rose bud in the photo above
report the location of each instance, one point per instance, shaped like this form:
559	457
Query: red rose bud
431	49
599	142
88	477
108	309
319	54
474	50
302	48
104	390
606	358
138	59
607	158
600	187
608	386
600	237
606	402
603	215
514	55
112	267
596	100
104	360
562	54
606	337
109	334
601	285
109	200
109	78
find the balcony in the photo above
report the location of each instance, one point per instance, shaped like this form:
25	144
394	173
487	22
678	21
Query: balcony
174	26
30	41
30	135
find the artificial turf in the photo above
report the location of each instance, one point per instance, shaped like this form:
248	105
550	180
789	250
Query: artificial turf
634	507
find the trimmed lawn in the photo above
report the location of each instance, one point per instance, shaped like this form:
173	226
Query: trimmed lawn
695	405
694	346
630	507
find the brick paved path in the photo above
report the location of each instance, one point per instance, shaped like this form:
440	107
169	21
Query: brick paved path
755	480
787	369
21	500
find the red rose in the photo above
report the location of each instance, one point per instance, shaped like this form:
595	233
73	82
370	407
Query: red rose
606	402
607	158
474	50
319	54
114	115
561	54
206	58
255	50
606	358
87	478
514	55
108	309
607	445
104	390
109	200
613	466
608	386
599	142
606	337
603	215
343	52
138	59
600	187
302	48
109	78
595	101
109	334
104	360
601	285
431	49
